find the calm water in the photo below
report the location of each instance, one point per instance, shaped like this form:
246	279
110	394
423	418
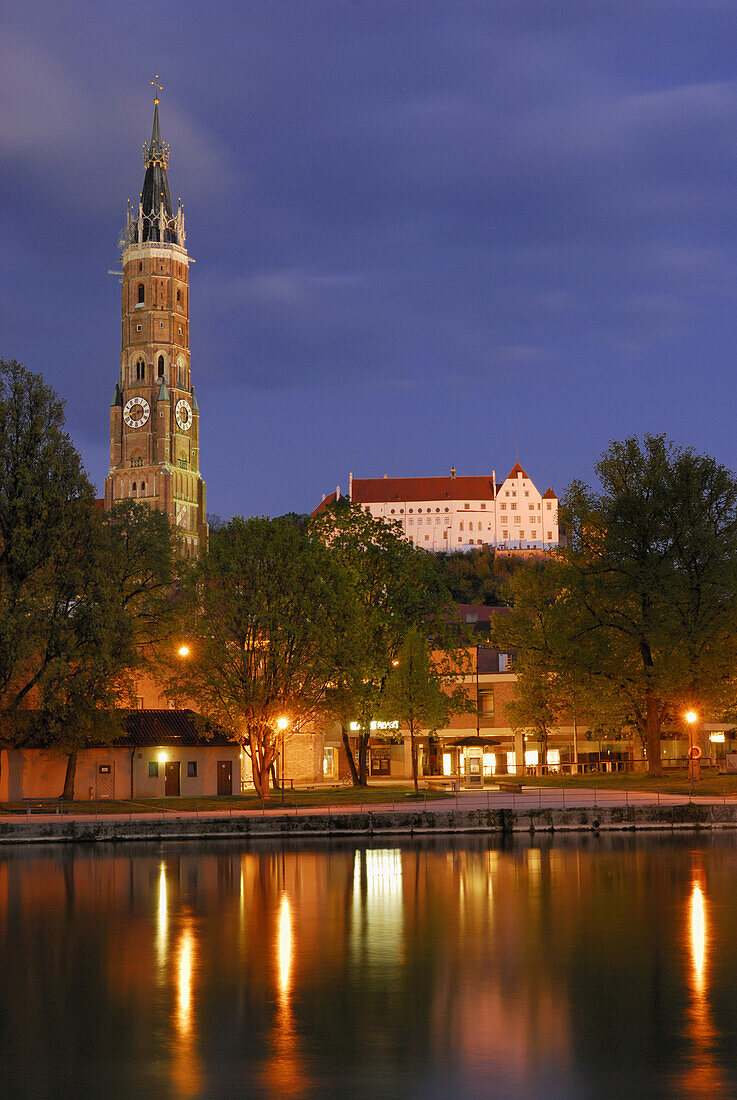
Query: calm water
580	968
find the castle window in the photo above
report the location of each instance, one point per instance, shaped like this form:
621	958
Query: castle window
161	366
140	371
141	294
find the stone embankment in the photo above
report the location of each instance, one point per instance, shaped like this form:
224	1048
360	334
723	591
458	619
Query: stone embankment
371	824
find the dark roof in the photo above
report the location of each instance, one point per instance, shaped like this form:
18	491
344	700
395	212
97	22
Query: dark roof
155	192
147	728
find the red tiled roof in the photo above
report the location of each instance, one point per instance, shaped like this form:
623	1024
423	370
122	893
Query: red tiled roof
549	494
516	469
376	490
321	507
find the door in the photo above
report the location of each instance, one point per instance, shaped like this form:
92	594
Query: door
225	776
171	778
105	781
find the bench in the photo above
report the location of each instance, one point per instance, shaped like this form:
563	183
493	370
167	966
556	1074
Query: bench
442	782
43	805
508	785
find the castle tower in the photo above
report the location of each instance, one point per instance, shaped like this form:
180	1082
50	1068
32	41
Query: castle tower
154	418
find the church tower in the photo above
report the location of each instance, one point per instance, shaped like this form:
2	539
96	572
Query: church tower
154	418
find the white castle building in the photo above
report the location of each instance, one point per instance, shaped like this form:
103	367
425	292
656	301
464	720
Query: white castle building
458	513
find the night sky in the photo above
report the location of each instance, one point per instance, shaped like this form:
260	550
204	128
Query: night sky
427	233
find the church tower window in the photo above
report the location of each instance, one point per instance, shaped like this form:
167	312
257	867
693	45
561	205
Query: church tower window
161	366
141	294
140	371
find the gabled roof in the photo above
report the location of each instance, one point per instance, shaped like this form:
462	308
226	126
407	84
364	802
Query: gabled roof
378	490
515	471
324	504
549	494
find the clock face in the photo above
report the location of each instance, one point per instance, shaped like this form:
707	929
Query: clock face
136	412
183	413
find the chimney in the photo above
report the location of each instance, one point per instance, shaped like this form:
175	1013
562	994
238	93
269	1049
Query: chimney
452	473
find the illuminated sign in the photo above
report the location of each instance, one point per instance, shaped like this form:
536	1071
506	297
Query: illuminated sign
716	738
355	726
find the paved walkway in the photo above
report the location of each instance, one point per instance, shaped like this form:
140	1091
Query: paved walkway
530	798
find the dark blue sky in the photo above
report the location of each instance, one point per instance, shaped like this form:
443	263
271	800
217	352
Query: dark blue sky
425	232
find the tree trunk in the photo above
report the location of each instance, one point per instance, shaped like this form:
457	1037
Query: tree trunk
363	744
349	754
262	754
652	735
68	792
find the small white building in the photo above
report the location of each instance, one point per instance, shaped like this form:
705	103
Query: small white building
460	513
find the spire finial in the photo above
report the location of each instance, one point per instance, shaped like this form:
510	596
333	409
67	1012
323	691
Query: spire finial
159	87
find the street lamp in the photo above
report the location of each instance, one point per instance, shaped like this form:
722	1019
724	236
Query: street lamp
281	725
183	650
691	717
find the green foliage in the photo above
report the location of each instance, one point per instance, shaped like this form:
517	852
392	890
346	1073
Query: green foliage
265	606
640	609
418	690
479	576
391	586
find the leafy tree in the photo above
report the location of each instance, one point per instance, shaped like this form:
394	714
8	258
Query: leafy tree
391	587
644	618
265	606
65	635
479	576
418	691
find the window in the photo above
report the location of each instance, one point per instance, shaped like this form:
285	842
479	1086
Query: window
533	534
153	769
527	494
141	294
410	510
143	486
549	506
438	519
437	509
140	371
392	511
180	330
419	509
513	507
460	526
550	536
502	507
427	538
531	507
138	328
134	486
516	519
486	703
466	506
140	267
447	509
191	769
506	493
183	464
483	505
505	534
179	298
161	366
410	522
136	461
505	662
161	324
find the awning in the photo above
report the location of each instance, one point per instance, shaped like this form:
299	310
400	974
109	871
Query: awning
472	742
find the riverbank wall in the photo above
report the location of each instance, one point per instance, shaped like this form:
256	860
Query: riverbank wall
371	824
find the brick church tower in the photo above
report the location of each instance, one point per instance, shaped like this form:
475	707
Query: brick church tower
154	418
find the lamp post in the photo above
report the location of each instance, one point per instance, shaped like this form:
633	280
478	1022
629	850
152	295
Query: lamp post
691	717
281	725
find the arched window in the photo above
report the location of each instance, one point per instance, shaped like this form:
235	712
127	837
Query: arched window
179	295
140	371
161	366
134	487
141	294
143	486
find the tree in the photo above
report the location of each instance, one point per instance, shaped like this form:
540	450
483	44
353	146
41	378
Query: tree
644	615
478	576
64	636
392	586
418	691
265	606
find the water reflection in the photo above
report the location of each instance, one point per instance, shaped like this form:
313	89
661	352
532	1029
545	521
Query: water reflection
580	968
703	1074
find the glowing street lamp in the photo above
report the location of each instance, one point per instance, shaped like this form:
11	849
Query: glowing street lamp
183	650
691	717
281	725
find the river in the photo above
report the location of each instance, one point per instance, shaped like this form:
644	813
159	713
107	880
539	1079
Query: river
585	967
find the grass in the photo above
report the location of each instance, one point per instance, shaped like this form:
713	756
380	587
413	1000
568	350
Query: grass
302	799
673	782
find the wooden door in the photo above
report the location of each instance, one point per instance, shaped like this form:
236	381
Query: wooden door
225	776
171	778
